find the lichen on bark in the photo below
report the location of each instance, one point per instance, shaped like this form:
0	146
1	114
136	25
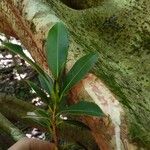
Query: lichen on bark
120	32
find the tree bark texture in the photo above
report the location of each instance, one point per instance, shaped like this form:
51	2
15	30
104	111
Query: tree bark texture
118	30
13	108
10	129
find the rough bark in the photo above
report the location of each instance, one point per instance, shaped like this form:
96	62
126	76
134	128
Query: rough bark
119	31
84	4
13	108
6	141
9	128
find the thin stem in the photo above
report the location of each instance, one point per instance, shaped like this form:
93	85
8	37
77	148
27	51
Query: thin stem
54	128
55	134
50	109
54	113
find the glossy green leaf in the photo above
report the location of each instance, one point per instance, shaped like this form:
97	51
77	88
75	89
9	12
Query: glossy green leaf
79	70
40	117
17	49
76	123
57	48
44	84
43	113
83	108
39	92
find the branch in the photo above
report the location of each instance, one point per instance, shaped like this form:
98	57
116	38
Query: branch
13	108
9	128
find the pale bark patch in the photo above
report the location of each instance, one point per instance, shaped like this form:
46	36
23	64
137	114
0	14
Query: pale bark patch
102	96
39	14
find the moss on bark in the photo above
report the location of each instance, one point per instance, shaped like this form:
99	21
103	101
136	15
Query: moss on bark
82	4
120	32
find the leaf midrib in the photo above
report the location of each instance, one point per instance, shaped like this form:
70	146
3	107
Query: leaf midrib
76	75
84	112
36	117
57	52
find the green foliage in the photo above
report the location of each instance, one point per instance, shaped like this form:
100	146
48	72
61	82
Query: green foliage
83	108
39	92
44	84
18	50
54	91
57	49
39	116
76	123
79	70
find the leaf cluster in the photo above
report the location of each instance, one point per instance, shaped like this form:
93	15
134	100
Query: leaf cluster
54	90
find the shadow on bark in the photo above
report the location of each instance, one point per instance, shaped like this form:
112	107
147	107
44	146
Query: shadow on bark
82	4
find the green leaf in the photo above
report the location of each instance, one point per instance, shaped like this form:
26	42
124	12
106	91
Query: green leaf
79	70
39	92
40	117
83	108
43	113
76	123
57	48
17	49
44	84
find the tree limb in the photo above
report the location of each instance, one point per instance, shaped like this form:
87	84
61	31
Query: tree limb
10	129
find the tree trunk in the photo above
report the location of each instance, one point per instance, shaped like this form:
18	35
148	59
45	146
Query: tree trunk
10	129
118	30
